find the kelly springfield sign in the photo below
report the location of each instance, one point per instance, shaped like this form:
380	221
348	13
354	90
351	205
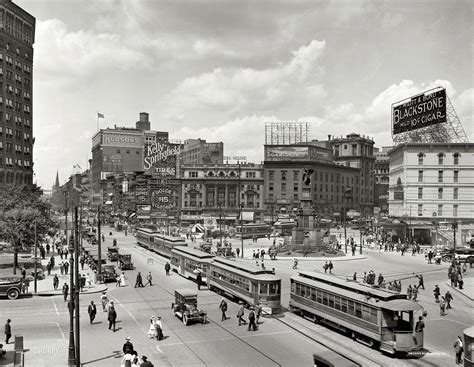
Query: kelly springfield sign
420	111
163	157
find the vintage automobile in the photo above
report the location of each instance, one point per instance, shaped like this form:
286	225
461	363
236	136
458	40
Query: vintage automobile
125	262
11	286
113	253
185	307
108	273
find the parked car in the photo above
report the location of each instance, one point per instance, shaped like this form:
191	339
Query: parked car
125	262
113	254
11	286
186	307
109	273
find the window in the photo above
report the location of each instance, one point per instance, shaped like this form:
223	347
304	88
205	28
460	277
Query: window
456	158
193	174
270	186
296	176
455	210
440	193
271	175
455	176
440	176
420	158
250	174
420	210
455	193
283	186
295	187
420	176
440	158
283	175
420	193
440	210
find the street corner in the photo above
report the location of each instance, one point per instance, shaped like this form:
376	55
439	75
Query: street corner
468	288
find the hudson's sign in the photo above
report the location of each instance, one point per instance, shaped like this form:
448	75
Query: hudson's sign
420	111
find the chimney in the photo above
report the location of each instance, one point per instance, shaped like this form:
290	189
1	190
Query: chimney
329	137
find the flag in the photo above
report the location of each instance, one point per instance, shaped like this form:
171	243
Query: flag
100	115
76	166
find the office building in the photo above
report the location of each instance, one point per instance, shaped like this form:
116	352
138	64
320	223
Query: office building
199	152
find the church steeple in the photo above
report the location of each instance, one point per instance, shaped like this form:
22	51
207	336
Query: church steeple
56	184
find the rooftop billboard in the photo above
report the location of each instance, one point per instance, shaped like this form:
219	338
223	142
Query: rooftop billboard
420	111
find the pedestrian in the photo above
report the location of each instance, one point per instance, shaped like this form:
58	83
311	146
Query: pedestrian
252	324
380	280
420	325
325	267
61	268
442	306
152	329
8	331
458	349
55	282
122	279
149	279
127	360
330	266
82	282
82	261
146	362
105	301
258	312
421	282
118	280
253	254
112	316
240	315
65	291
48	248
223	308
295	263
436	293
461	283
139	281
3	352
92	311
448	297
66	268
159	329
128	346
414	293
409	292
167	268
199	280
354	277
48	268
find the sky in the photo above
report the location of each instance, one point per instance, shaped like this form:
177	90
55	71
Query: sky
219	70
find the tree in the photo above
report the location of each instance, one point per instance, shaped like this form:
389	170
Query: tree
20	208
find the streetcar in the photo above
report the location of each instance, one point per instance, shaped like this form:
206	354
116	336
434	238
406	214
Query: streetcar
379	318
284	228
163	244
188	262
253	230
246	282
145	237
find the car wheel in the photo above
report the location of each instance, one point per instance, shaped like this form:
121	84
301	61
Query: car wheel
13	294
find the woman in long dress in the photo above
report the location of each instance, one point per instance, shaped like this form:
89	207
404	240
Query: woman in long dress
152	328
122	279
159	329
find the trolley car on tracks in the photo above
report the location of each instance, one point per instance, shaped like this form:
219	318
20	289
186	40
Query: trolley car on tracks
188	262
145	237
245	282
379	318
158	243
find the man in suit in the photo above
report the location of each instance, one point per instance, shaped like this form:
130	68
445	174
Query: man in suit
92	311
8	331
112	317
128	346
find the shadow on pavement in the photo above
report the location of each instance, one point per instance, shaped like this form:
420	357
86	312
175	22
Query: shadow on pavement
116	354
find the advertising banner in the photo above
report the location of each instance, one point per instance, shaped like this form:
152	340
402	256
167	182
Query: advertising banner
121	139
161	157
141	192
278	153
143	211
420	111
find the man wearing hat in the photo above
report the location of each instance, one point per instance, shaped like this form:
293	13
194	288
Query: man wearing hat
146	362
128	346
252	324
8	331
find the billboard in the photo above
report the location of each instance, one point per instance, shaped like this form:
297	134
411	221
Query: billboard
420	111
278	153
162	157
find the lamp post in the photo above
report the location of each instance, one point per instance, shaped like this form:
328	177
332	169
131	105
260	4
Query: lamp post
241	206
454	227
36	261
72	348
99	242
220	222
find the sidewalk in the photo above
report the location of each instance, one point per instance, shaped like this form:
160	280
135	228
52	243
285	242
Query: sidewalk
45	286
468	287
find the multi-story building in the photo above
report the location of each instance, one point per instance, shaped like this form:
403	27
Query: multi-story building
220	190
17	35
358	152
432	183
122	150
330	190
199	152
381	170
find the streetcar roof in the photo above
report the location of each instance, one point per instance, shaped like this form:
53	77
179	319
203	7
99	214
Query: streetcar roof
245	270
469	332
344	287
400	305
191	251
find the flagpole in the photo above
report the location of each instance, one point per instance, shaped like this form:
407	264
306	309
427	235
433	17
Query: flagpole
97	120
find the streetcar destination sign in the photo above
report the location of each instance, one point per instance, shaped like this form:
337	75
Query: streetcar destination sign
420	111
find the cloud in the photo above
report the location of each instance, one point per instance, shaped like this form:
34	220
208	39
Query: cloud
238	89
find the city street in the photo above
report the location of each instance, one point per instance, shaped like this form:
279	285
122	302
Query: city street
286	340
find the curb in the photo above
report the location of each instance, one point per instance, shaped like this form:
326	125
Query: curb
50	294
448	283
339	258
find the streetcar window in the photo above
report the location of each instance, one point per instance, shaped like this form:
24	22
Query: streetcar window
350	307
313	294
343	305
373	315
358	310
273	288
263	288
293	286
325	298
337	302
298	289
331	300
319	296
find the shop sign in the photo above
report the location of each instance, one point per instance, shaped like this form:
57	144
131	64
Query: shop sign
162	157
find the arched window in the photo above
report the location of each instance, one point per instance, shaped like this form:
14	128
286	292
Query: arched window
210	174
440	158
232	174
456	158
221	174
421	156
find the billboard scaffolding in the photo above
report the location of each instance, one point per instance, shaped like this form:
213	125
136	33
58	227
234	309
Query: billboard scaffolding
286	133
427	118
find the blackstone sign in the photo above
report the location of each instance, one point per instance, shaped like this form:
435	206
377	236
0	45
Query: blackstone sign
424	110
162	157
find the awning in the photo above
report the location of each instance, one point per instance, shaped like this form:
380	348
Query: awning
401	305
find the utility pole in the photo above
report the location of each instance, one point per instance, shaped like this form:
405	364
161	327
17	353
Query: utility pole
455	228
241	205
72	348
36	261
99	242
78	286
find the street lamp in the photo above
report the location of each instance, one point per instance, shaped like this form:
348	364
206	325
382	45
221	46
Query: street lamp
72	348
241	206
454	227
347	195
219	206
